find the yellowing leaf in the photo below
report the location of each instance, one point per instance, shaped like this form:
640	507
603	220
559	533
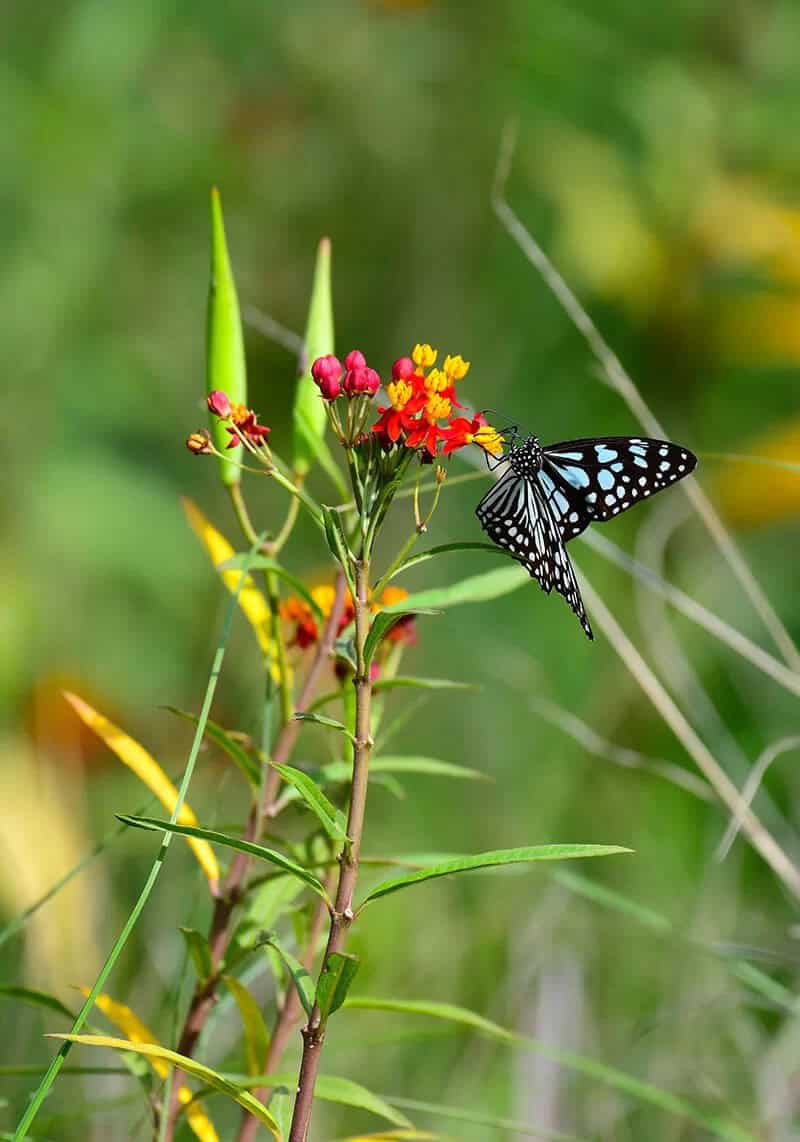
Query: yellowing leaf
751	494
199	1070
131	1025
251	600
150	773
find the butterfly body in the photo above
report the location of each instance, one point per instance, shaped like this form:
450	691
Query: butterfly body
549	495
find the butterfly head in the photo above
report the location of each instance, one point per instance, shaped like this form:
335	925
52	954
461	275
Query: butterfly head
526	458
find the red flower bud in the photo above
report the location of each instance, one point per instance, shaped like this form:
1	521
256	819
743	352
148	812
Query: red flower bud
355	360
326	368
403	369
219	404
329	387
361	380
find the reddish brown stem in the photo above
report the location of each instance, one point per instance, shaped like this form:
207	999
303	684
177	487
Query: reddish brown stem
342	917
220	929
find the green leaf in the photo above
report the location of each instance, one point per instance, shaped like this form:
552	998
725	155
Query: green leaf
402	681
248	765
430	766
309	415
302	980
345	1092
337	542
444	549
492	860
331	818
197	946
386	619
646	1092
190	1066
226	368
478	1118
334	983
256	1035
226	841
264	563
36	998
476	589
323	720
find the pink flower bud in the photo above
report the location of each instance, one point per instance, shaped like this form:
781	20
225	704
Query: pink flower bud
373	382
361	380
219	404
403	369
329	387
355	360
326	368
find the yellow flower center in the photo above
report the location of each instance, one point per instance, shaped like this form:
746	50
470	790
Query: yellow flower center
436	381
239	413
437	408
423	357
400	393
487	438
455	368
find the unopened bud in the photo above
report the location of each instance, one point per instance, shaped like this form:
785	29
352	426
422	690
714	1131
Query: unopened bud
327	368
361	380
403	369
219	404
199	442
355	360
441	474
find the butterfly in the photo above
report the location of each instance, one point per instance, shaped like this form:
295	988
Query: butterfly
549	495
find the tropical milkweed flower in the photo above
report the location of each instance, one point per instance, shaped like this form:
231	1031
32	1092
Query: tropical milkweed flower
461	431
298	612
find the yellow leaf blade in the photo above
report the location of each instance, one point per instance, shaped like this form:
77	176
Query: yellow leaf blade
138	1032
198	1070
150	773
251	600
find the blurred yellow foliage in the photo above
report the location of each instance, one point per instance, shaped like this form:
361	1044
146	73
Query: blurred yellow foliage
42	836
150	773
751	494
138	1032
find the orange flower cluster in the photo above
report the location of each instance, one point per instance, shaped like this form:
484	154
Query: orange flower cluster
421	398
297	612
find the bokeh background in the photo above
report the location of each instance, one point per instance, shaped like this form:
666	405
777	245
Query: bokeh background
659	164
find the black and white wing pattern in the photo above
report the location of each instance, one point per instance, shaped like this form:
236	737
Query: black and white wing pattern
593	480
516	516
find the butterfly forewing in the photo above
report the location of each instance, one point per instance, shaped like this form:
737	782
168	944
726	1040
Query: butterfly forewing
515	515
594	480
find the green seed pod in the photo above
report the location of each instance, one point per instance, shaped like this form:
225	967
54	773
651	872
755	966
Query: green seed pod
226	368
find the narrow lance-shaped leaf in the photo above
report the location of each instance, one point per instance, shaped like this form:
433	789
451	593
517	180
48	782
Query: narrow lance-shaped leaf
35	997
386	619
475	589
228	744
138	1032
199	952
334	983
345	1092
256	1035
337	543
149	772
445	549
718	1125
492	860
302	979
323	720
402	681
309	409
242	846
190	1066
426	766
251	601
331	818
225	360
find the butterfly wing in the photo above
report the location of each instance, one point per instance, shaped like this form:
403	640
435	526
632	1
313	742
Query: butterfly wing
515	516
585	481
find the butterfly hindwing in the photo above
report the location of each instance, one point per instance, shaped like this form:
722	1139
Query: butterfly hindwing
515	516
593	480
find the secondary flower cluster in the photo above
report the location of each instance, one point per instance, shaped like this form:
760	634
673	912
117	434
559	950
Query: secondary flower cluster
299	613
422	401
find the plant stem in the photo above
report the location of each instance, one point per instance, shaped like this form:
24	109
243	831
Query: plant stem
220	929
342	917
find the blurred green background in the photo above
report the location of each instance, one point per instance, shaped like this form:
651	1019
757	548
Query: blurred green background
659	165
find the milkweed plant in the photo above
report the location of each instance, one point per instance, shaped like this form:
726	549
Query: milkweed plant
332	650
